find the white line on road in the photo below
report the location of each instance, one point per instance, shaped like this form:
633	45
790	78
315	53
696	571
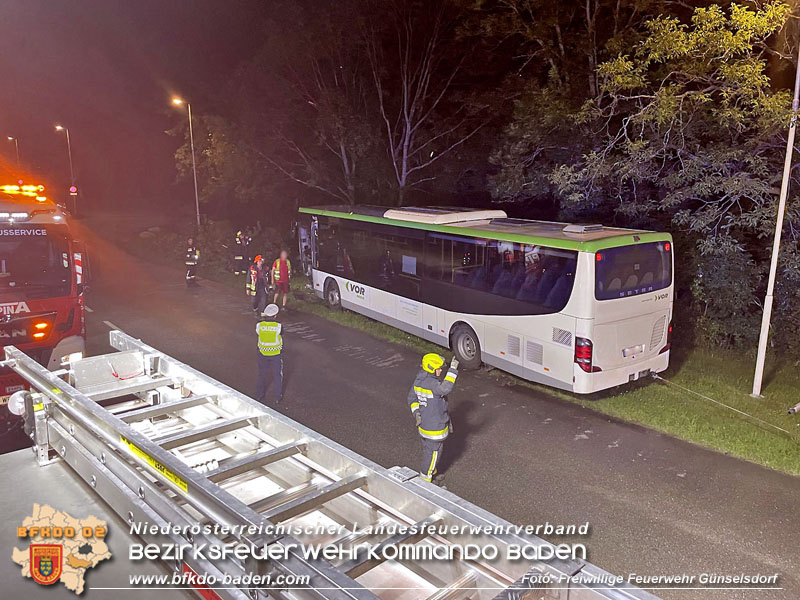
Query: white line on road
110	325
89	310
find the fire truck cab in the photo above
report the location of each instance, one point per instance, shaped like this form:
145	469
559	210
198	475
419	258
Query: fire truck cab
41	281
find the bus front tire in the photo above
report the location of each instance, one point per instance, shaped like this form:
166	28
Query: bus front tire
332	296
466	347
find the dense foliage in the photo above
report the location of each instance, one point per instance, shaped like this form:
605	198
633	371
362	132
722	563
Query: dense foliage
643	113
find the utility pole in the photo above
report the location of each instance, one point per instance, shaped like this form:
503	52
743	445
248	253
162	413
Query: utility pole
776	242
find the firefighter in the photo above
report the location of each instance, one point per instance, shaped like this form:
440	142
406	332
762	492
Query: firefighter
192	258
428	403
281	273
270	362
239	251
257	284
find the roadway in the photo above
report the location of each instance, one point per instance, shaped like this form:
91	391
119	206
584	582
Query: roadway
656	505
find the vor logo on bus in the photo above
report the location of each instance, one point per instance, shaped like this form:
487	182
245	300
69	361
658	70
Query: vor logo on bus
359	290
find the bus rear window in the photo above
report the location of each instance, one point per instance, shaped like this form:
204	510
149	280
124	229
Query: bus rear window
632	270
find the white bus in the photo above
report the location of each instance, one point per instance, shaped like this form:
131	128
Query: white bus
578	307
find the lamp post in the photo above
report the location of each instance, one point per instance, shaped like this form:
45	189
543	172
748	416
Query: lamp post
776	241
178	102
11	138
69	152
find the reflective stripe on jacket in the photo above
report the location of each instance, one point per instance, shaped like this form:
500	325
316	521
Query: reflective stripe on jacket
252	277
427	396
270	342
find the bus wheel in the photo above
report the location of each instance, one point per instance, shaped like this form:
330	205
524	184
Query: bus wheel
466	347
332	296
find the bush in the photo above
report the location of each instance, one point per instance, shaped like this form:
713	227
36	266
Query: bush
215	240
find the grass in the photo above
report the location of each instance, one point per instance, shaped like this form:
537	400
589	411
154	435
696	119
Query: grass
721	375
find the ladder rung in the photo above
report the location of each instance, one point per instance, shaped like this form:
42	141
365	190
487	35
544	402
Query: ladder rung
156	410
455	589
284	496
236	466
125	388
315	499
168	442
357	567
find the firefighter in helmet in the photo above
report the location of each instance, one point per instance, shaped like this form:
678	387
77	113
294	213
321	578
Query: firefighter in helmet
427	400
257	284
239	252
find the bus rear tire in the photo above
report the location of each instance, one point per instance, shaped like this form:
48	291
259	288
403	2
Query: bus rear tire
466	347
333	298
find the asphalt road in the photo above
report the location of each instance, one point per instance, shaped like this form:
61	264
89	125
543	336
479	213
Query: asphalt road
656	505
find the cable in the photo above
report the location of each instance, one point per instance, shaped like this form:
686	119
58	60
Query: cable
736	410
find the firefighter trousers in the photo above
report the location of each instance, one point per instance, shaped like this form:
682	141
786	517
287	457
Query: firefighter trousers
270	367
191	273
431	455
261	299
238	264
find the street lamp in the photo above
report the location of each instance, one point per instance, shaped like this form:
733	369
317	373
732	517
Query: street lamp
69	152
11	138
178	102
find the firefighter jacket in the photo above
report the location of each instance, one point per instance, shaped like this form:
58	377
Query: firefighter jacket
427	397
270	342
256	280
192	255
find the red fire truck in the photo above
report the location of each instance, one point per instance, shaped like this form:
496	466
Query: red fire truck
41	289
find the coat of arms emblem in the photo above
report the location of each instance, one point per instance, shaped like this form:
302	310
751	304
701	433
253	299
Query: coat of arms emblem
46	562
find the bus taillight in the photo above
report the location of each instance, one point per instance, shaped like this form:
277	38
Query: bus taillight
583	355
669	339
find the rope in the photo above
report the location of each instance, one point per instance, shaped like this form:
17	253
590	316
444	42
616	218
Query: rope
736	410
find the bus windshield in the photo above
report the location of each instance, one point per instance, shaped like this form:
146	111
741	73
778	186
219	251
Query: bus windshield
632	270
34	262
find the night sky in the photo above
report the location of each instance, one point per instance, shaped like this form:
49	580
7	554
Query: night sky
107	69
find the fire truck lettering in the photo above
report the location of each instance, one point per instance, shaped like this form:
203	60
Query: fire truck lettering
14	333
14	308
23	232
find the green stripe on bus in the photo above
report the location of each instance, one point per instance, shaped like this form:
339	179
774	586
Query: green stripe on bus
625	239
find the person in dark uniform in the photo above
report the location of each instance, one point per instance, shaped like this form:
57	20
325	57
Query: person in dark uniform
257	283
427	400
192	259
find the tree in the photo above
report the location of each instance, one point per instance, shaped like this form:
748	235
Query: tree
688	127
326	81
414	69
555	47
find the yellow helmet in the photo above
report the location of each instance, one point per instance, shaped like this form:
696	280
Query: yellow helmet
431	362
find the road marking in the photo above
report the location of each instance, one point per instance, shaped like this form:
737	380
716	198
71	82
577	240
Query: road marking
110	325
88	309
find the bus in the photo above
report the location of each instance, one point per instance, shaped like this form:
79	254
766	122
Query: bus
41	288
581	308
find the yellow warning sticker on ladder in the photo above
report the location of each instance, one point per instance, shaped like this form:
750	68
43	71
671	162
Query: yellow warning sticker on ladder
154	464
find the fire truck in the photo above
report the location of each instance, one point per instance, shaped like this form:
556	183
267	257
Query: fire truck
41	289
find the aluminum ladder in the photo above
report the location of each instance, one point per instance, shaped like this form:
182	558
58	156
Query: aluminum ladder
165	444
